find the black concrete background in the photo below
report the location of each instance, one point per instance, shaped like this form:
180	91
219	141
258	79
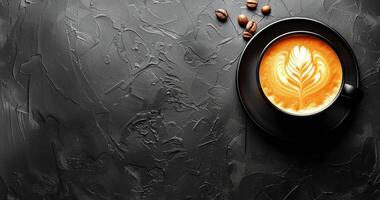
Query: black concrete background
136	99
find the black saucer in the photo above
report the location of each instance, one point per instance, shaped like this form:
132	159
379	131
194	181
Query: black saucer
275	122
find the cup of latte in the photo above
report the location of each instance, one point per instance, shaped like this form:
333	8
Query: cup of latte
298	79
300	74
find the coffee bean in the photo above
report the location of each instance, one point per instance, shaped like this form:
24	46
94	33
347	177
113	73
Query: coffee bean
251	4
265	9
247	35
251	26
242	20
221	14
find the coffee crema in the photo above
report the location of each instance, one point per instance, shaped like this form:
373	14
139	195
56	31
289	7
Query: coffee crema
300	74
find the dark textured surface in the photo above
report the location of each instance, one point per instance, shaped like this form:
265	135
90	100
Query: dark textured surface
117	99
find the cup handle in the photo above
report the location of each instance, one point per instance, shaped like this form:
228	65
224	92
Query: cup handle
350	92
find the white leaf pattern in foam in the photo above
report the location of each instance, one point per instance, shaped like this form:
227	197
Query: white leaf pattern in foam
300	72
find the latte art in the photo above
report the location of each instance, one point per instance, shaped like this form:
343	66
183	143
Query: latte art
300	74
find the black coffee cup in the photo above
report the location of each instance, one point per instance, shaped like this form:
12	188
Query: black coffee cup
273	120
346	90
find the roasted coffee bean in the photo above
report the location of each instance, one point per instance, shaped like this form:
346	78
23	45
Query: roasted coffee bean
242	20
265	9
247	35
221	14
251	26
251	4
